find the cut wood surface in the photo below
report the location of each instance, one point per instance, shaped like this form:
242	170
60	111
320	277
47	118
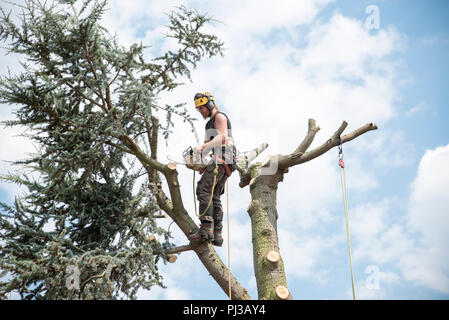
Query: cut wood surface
273	256
282	292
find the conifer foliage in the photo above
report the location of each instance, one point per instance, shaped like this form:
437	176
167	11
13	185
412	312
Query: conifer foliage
81	231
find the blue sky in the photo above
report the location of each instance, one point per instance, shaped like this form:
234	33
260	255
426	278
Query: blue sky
316	59
425	27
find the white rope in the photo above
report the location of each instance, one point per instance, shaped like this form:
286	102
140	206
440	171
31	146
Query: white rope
229	246
345	201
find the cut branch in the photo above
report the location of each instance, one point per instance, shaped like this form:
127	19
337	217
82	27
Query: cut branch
305	144
293	159
179	249
172	258
273	257
282	292
251	155
243	164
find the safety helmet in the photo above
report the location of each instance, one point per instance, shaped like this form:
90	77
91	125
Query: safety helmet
204	98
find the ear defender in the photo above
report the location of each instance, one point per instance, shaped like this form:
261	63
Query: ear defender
204	98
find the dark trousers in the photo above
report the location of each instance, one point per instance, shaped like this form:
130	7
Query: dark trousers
203	192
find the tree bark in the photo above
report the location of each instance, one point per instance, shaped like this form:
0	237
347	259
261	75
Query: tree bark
263	214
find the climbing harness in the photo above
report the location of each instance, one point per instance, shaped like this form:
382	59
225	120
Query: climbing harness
341	164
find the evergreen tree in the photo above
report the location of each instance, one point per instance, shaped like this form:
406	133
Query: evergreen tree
87	227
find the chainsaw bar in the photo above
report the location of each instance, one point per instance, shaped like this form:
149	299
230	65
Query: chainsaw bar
176	160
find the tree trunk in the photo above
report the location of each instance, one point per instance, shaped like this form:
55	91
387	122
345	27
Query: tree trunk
174	208
268	264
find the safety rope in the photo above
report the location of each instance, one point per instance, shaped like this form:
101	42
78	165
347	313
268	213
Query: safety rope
229	246
227	213
211	194
345	201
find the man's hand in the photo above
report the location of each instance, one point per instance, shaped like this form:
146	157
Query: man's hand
198	149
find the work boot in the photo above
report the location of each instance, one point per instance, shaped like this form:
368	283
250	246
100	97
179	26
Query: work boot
218	239
218	226
205	232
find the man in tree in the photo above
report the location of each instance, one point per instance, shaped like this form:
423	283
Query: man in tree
82	231
218	139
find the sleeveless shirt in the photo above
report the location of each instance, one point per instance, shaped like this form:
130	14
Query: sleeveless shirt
211	131
226	152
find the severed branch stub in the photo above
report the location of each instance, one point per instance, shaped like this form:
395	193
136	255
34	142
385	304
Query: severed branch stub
247	173
175	250
172	258
282	292
171	253
179	249
150	238
171	166
273	257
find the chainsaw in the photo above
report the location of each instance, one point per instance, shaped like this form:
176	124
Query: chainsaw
191	160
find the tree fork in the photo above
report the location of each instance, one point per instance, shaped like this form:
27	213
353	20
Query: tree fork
269	269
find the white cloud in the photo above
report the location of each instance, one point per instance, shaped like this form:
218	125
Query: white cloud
427	216
367	220
429	203
261	16
418	108
386	149
251	286
346	64
302	254
174	275
128	19
416	243
376	285
14	147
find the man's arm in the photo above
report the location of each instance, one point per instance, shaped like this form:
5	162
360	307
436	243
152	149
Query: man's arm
221	125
